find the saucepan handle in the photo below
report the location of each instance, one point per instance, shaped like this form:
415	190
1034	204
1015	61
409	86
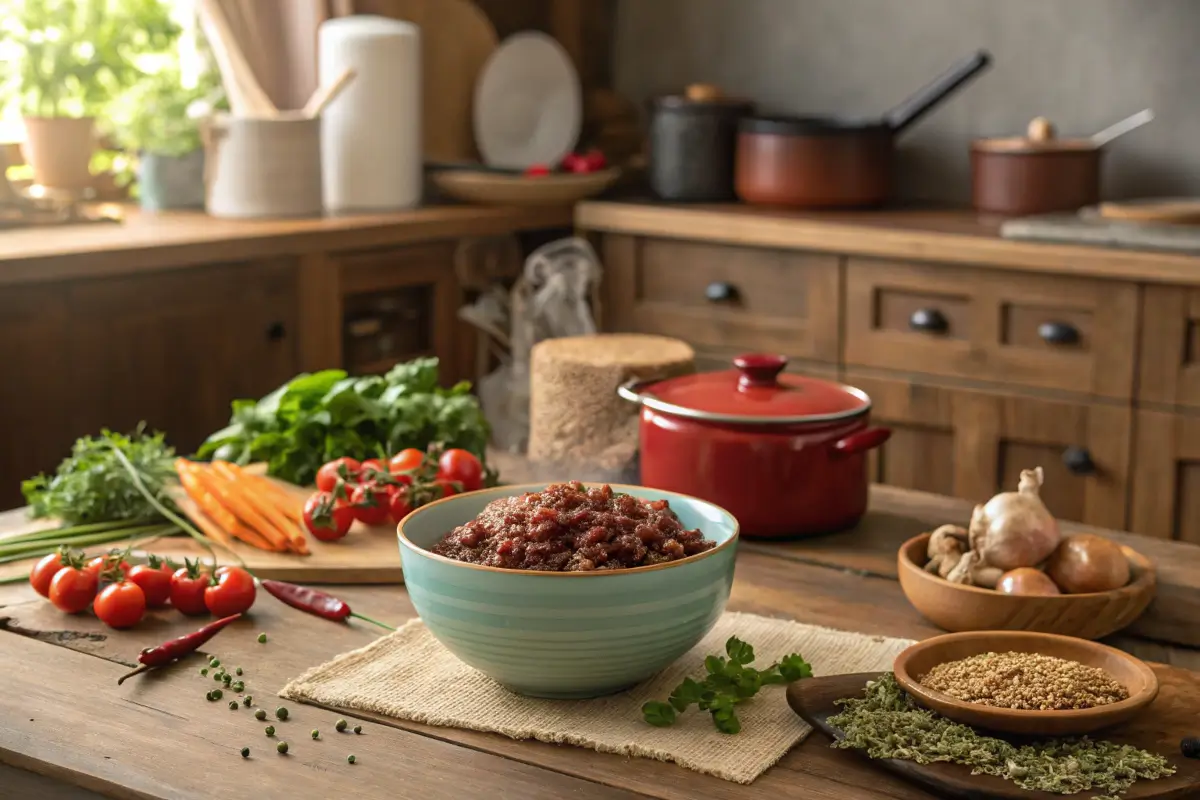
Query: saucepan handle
861	441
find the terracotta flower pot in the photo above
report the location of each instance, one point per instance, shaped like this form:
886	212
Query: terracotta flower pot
60	149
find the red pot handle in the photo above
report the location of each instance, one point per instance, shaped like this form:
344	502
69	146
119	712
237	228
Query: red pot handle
862	441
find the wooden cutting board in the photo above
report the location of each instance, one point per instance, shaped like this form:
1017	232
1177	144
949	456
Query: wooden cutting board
457	38
1161	210
1175	713
365	555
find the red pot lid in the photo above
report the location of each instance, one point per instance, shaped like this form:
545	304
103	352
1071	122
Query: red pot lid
754	392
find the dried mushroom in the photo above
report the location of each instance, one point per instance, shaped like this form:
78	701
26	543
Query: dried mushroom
946	547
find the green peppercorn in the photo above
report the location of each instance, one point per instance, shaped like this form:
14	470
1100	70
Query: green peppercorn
214	662
281	713
260	714
204	671
316	734
358	728
245	752
282	748
340	726
238	670
270	730
227	678
233	706
239	686
217	677
247	701
262	638
350	759
209	696
217	694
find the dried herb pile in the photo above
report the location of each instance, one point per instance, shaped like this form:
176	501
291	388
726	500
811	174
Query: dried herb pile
886	723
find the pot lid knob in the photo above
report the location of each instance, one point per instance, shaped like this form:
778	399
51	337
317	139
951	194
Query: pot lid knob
1040	130
759	370
702	93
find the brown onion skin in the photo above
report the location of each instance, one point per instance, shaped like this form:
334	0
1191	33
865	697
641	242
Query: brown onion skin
1026	581
1084	562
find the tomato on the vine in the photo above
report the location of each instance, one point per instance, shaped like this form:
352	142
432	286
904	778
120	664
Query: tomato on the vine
121	604
73	589
44	571
346	469
187	588
109	562
399	503
447	488
328	517
154	579
370	503
232	592
372	469
406	462
462	467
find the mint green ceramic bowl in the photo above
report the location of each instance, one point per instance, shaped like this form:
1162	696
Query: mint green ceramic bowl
567	634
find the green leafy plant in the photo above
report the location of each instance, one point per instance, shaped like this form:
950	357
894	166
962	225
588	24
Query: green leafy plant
161	115
729	682
72	57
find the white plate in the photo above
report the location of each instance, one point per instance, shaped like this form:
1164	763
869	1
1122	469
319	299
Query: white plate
528	103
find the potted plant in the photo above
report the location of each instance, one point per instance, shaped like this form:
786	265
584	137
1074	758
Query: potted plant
162	126
71	57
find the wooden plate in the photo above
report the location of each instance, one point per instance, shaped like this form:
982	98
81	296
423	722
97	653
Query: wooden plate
499	189
1171	717
1130	672
955	607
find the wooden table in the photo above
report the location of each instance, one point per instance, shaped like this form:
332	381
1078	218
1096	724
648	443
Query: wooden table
63	717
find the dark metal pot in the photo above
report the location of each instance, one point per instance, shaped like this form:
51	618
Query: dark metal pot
692	142
1036	174
828	162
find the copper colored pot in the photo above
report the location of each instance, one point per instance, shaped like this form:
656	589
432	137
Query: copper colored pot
1037	174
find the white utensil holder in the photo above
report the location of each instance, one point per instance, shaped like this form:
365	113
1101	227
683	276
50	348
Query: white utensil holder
262	168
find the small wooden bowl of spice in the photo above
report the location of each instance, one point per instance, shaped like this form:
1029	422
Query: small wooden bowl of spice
1032	684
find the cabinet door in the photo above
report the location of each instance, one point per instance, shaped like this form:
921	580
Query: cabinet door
1166	478
712	295
174	348
1169	354
972	444
37	390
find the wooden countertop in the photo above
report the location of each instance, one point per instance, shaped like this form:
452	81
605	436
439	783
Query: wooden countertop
63	716
949	236
146	241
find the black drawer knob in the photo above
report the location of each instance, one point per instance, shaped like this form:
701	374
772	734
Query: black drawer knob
1058	333
1079	461
276	331
721	292
929	320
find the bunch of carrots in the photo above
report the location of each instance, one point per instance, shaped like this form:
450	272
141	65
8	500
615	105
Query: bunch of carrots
236	504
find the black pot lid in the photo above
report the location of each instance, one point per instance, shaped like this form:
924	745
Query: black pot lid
809	125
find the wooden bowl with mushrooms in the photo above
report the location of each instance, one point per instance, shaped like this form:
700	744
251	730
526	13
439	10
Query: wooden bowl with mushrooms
1011	569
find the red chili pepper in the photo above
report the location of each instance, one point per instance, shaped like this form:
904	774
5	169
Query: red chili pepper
176	649
315	602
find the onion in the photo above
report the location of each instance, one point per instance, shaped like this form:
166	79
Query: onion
1015	529
1026	581
1085	562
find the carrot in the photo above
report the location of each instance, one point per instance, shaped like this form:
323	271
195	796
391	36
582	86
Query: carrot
226	492
195	482
264	517
292	508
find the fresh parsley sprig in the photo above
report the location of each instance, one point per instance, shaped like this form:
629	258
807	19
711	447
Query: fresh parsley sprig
730	681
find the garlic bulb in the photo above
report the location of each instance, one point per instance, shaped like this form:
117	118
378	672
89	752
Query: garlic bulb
1014	529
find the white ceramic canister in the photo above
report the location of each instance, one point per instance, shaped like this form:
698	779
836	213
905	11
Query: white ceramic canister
260	168
371	151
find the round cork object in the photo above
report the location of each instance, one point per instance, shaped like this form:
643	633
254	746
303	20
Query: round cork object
575	415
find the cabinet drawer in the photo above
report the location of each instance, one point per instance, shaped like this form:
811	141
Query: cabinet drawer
719	296
972	444
1073	334
1166	477
1169	356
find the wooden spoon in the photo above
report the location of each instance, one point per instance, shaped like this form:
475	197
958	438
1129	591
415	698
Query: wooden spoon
324	95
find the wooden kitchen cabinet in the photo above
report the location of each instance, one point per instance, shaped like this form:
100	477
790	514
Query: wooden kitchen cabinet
174	348
1166	476
972	444
1169	353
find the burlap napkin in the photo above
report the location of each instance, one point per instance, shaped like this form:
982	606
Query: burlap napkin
408	675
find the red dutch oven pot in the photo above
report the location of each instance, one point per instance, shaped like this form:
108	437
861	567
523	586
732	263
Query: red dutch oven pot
785	454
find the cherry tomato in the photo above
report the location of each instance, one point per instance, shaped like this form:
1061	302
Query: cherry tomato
187	589
328	518
44	571
233	592
461	467
537	171
574	162
406	461
121	604
73	589
448	489
399	503
595	160
107	563
345	468
370	503
154	579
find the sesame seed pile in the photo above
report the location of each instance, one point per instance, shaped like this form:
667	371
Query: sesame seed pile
1028	681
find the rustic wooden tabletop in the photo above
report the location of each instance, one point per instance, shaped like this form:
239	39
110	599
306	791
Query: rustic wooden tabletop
68	731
